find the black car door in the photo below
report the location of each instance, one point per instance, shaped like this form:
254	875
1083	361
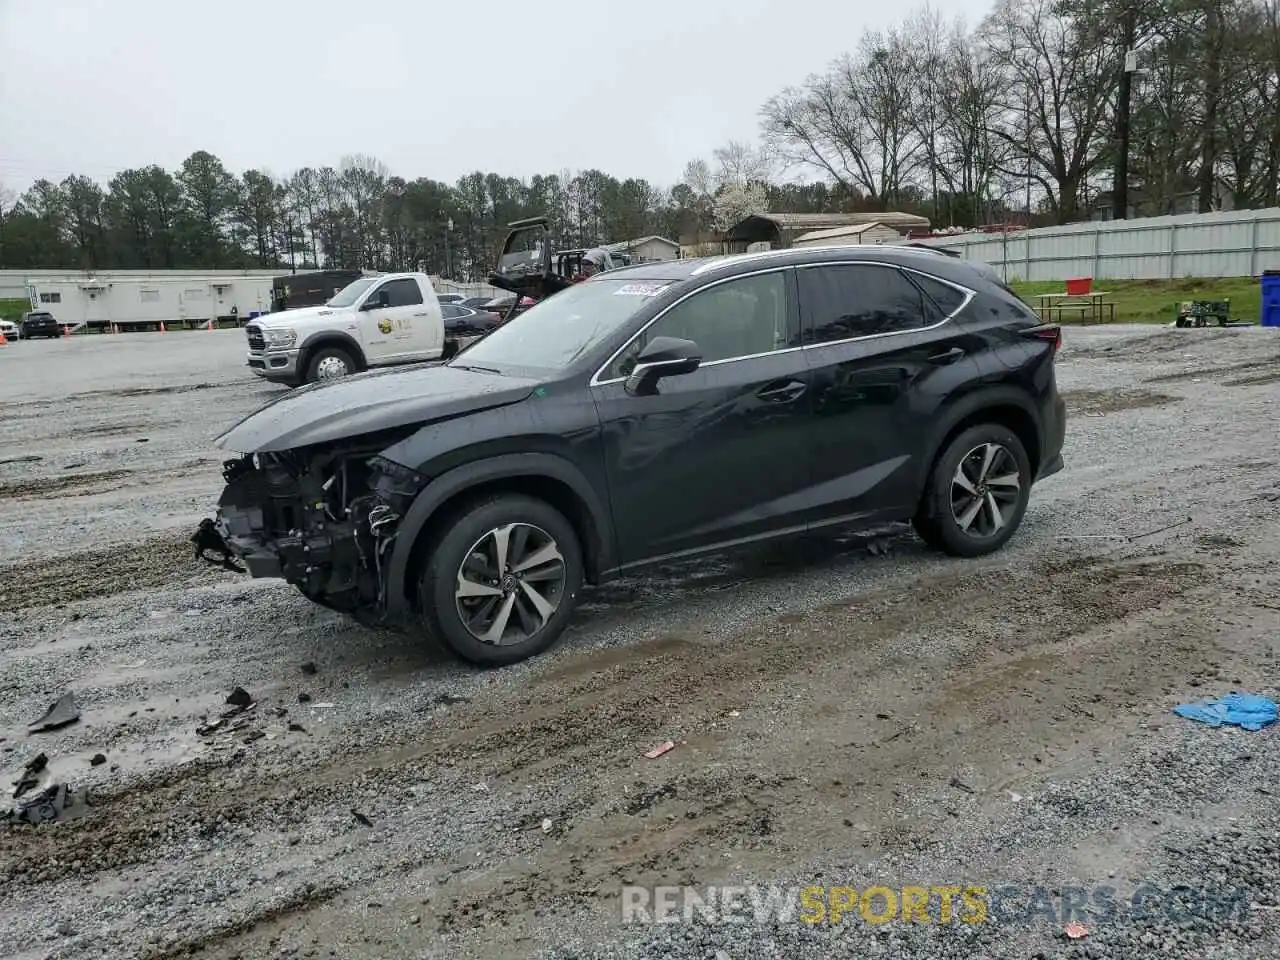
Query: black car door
884	357
718	454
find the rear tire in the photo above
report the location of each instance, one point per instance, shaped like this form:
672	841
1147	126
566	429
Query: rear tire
330	363
977	494
501	581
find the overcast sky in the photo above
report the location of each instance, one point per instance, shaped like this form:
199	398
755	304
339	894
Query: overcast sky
432	88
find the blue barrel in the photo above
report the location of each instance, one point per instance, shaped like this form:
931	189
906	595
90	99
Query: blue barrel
1271	298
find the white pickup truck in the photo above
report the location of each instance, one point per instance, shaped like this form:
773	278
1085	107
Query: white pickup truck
375	321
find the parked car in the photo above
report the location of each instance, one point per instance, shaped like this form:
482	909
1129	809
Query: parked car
9	329
460	321
657	412
376	321
450	297
475	303
39	323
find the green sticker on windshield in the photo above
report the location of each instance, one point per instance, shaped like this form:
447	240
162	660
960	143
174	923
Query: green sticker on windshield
540	391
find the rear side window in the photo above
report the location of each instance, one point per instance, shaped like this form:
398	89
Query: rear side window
844	301
403	293
947	298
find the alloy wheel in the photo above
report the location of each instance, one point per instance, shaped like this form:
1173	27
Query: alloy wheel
510	583
985	490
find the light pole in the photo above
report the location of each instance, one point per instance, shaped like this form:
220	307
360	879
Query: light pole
448	264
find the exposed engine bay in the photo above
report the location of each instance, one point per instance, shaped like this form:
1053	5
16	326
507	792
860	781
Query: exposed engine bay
323	518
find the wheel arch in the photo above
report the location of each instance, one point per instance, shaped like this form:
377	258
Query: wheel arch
330	338
1008	407
544	476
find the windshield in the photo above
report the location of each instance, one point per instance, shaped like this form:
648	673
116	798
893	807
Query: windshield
557	331
352	292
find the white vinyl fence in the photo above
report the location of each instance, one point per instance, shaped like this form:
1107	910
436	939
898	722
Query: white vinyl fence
1236	244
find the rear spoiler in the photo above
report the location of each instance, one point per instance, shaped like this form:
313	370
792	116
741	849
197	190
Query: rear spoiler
928	246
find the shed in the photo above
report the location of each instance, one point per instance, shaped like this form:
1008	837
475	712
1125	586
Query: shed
841	236
780	230
647	249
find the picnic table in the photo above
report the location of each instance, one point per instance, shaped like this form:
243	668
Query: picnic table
1091	306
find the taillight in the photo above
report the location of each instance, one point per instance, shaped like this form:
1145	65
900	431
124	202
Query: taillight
1050	332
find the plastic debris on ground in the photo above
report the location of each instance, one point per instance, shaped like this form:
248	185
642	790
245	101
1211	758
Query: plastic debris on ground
48	805
30	778
660	750
1245	710
61	713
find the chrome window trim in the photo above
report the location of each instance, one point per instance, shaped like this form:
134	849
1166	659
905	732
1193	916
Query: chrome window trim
968	298
595	380
969	294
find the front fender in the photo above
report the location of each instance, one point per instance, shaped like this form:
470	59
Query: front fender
468	475
310	343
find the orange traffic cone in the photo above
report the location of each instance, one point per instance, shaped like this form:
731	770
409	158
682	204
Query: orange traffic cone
210	326
3	341
66	330
162	330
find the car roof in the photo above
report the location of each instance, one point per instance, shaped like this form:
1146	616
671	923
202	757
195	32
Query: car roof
928	259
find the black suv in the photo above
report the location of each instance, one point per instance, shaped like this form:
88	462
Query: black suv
39	323
651	413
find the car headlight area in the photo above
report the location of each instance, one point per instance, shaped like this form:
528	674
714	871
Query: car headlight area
282	338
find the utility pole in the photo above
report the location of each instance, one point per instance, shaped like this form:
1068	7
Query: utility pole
1120	189
448	259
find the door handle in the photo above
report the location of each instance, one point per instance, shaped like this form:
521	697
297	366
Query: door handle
422	314
947	356
781	392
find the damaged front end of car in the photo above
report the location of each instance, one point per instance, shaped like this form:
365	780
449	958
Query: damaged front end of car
323	518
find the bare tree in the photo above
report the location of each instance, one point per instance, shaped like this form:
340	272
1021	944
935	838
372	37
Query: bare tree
971	155
697	177
927	50
853	122
741	163
1058	106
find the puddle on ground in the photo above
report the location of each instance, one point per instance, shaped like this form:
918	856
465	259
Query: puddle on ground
1099	402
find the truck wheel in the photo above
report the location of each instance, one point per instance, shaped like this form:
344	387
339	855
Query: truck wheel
330	363
502	579
977	494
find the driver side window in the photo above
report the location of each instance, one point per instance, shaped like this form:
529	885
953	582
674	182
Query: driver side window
742	317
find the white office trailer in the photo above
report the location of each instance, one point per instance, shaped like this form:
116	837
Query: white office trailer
139	303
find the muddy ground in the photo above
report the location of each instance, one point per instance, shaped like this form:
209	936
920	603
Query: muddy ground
850	711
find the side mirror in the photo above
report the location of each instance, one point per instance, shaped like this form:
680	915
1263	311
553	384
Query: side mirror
662	357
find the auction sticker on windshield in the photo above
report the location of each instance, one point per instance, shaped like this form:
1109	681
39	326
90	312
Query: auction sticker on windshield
640	289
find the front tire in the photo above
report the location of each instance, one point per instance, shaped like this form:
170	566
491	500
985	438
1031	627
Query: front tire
977	494
330	363
501	581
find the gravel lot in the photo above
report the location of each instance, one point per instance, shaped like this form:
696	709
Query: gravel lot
853	712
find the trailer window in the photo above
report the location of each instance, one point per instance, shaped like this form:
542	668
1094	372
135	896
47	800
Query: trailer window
50	298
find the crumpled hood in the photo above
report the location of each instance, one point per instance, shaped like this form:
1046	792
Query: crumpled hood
370	402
